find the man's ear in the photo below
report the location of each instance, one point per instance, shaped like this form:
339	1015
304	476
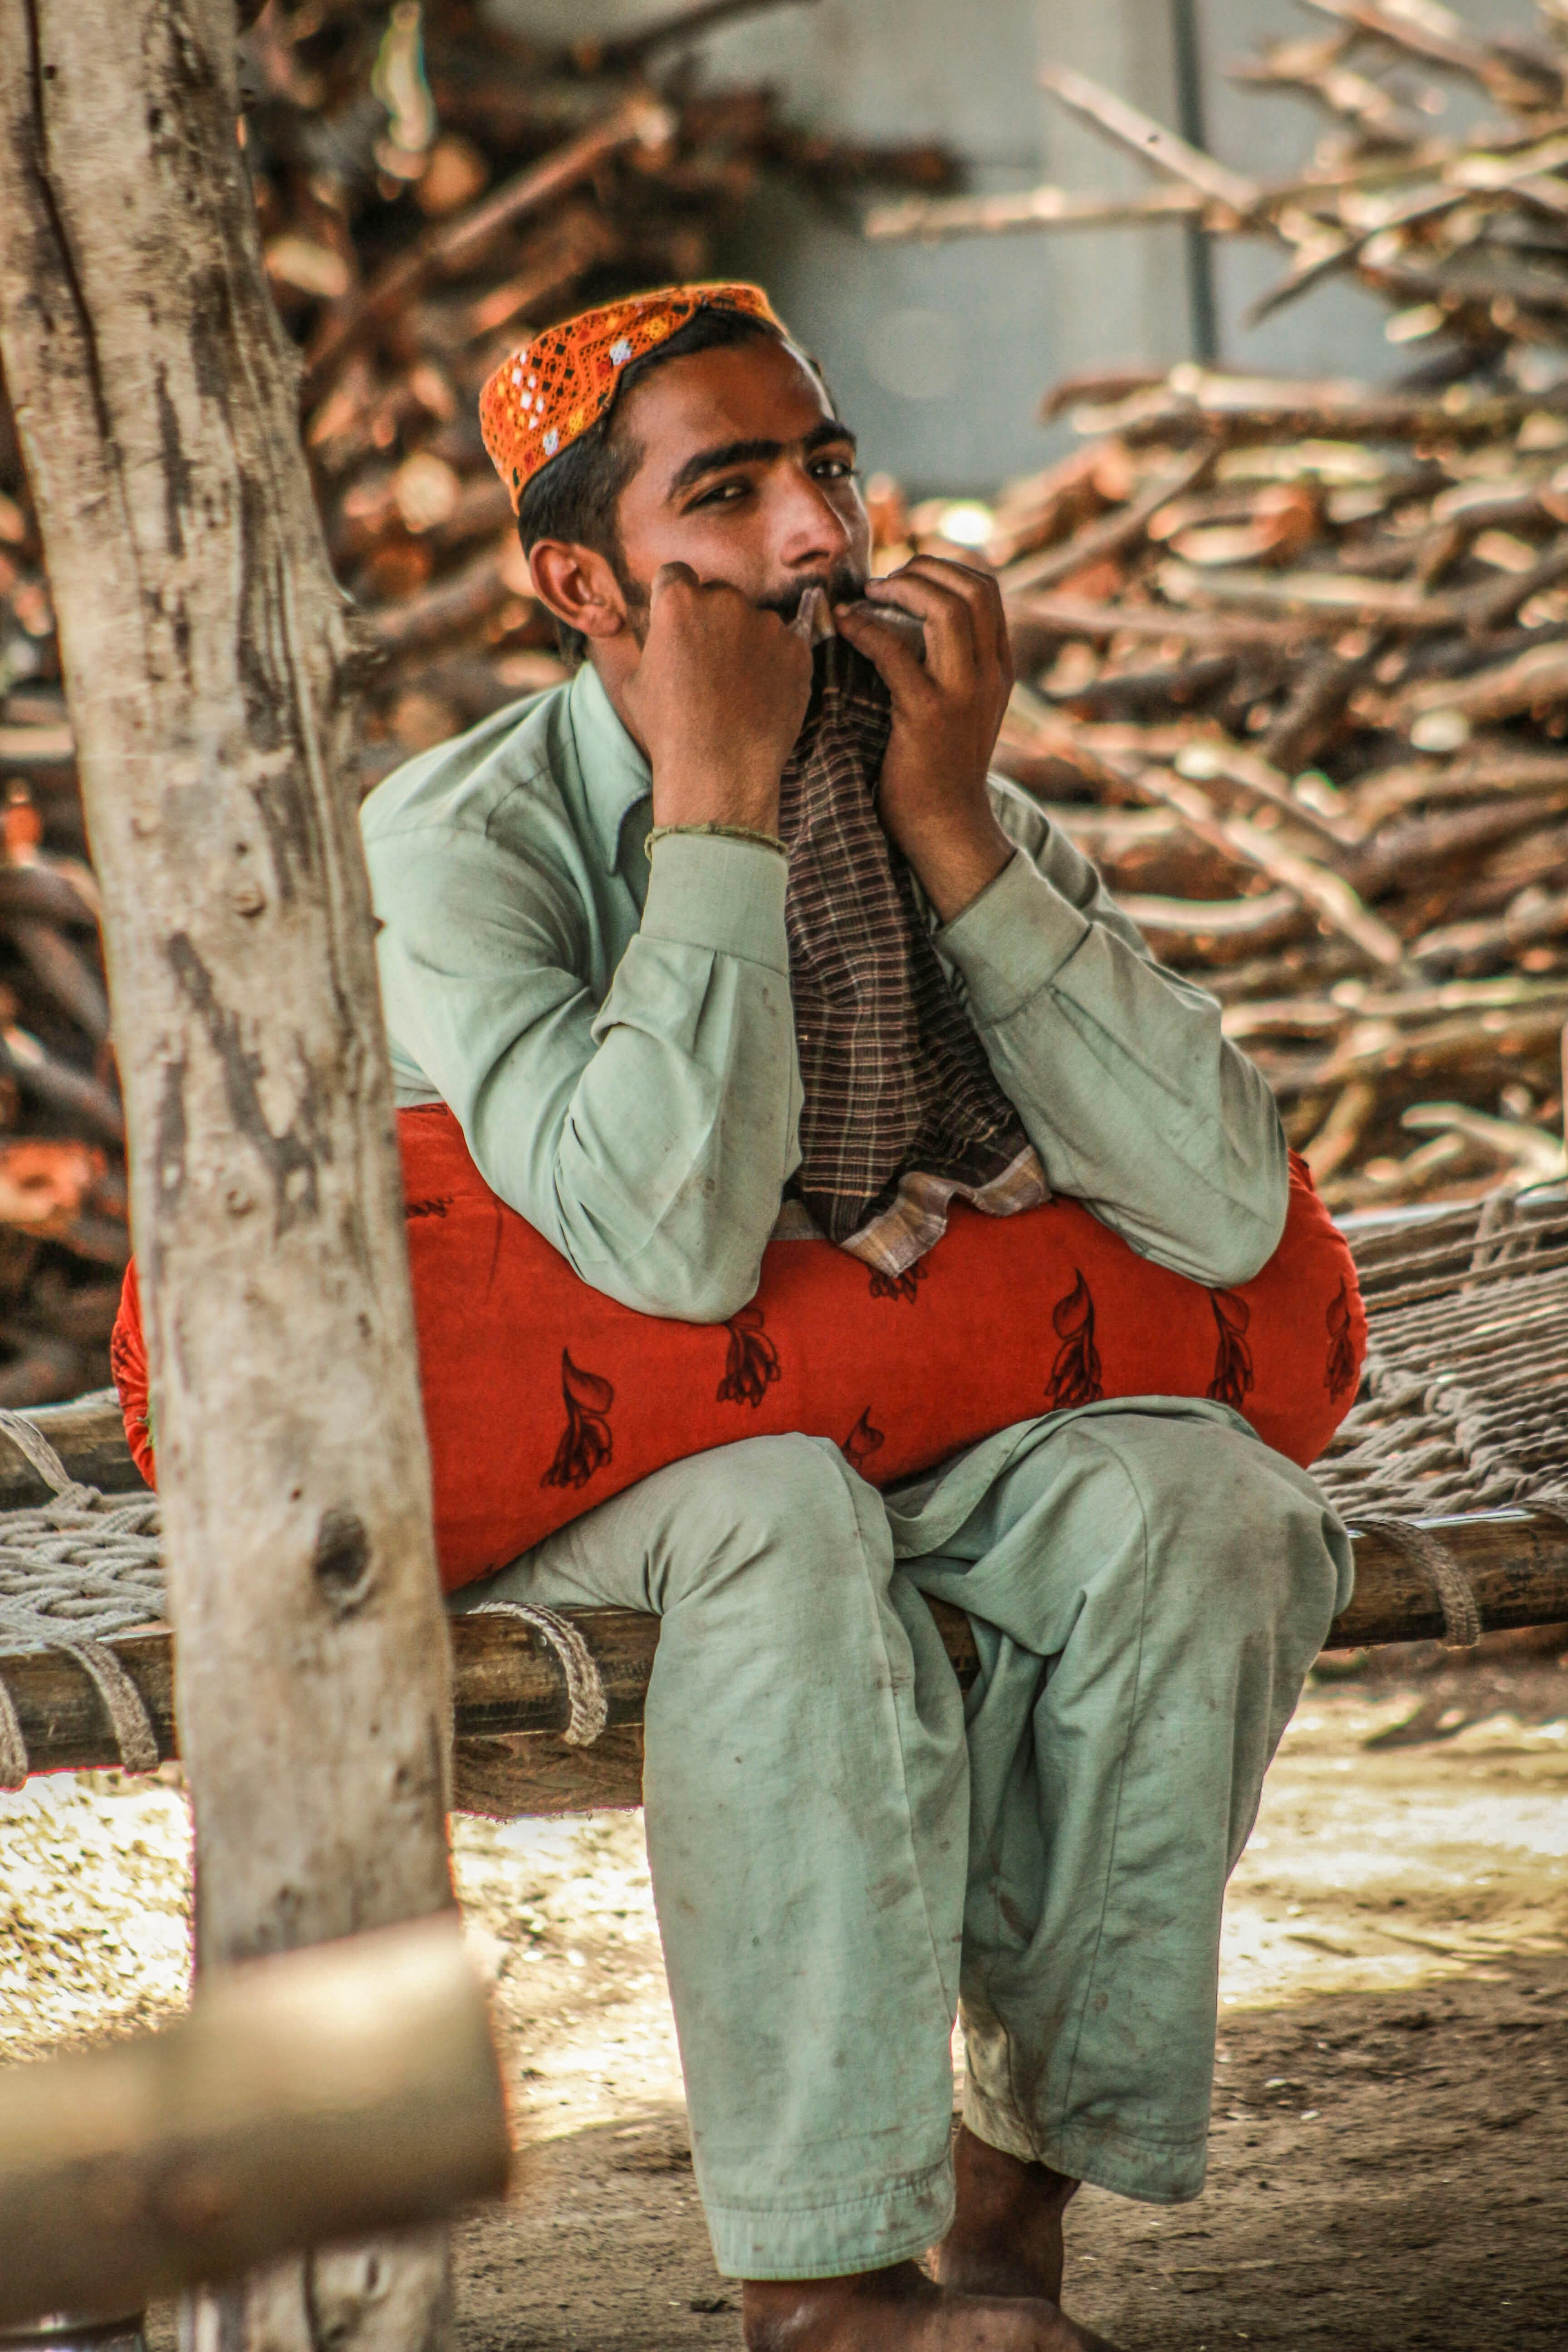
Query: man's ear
579	586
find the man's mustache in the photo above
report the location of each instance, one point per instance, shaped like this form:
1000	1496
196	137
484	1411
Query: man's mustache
843	586
845	592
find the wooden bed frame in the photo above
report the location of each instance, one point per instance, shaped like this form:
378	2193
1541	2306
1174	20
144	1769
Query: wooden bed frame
510	1691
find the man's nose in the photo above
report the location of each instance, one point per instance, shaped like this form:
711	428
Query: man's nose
812	529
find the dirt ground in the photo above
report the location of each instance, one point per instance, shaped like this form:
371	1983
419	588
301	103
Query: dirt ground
1389	2160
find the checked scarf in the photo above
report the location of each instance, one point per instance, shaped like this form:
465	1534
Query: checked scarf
902	1110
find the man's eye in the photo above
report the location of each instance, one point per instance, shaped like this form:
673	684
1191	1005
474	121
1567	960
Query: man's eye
722	494
833	469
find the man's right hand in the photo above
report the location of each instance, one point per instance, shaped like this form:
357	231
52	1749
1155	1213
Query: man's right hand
717	701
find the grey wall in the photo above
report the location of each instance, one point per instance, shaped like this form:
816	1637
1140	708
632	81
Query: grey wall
932	352
938	353
1336	330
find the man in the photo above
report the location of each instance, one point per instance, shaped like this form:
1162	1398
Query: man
596	951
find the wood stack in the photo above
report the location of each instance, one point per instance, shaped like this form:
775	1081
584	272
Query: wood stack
1296	654
429	190
62	1180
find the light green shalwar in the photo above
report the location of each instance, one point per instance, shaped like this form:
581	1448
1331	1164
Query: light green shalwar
840	1844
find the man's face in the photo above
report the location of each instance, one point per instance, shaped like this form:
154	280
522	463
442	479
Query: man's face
747	476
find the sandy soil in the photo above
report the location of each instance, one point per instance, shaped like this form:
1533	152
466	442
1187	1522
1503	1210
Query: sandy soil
1389	2162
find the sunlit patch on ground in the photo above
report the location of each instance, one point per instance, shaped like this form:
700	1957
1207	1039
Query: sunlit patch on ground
94	1908
1375	1867
561	1917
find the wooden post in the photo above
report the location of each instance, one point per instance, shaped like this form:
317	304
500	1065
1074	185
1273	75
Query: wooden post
205	645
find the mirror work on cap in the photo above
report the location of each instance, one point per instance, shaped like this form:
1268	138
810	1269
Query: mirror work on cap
549	394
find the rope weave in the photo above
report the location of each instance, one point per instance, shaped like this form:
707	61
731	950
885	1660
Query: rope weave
85	1566
1427	1552
585	1684
72	1571
1464	1404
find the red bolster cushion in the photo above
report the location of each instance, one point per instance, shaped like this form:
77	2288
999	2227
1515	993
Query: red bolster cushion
543	1397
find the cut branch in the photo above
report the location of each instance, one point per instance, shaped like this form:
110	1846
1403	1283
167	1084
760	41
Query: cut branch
1118	530
681	25
1044	208
1150	141
1331	900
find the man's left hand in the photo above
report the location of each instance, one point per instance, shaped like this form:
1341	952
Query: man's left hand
947	713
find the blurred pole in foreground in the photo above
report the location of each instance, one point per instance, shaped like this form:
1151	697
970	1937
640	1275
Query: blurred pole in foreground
303	2101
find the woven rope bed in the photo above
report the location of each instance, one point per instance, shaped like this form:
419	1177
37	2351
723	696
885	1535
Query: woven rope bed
1451	1470
1464	1402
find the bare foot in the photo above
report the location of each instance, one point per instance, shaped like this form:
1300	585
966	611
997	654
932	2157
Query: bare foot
900	2310
1006	2235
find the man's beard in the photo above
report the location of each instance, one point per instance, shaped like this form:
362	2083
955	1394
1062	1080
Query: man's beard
842	585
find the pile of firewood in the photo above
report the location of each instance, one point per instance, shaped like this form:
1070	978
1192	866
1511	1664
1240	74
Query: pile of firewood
62	1180
429	190
1295	656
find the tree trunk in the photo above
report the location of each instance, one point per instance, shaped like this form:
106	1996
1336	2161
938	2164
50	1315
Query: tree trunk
205	645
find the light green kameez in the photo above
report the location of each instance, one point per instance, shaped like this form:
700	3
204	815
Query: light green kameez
839	1842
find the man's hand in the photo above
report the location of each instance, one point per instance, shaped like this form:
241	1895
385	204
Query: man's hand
717	701
947	713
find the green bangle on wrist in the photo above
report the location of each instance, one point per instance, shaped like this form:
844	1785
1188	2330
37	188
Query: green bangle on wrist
718	832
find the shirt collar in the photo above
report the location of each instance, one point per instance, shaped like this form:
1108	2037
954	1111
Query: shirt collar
616	776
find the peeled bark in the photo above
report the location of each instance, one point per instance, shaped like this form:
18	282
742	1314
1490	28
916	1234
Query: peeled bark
204	646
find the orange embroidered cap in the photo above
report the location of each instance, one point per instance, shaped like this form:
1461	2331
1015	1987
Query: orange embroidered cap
546	396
